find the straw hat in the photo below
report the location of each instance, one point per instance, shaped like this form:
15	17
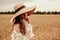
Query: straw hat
21	9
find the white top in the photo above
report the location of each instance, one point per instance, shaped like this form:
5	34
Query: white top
18	36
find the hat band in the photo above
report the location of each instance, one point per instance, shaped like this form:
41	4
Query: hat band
19	8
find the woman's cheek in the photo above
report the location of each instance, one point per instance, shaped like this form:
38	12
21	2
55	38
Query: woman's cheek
23	17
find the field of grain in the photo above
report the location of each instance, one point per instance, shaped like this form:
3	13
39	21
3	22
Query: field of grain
45	27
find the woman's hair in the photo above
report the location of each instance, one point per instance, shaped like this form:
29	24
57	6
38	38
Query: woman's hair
19	21
22	26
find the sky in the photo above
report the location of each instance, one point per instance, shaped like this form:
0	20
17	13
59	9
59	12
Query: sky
41	5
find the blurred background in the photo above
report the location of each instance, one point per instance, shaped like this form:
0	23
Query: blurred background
41	5
45	20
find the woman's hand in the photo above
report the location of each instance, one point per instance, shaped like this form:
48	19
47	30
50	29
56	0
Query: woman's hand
33	38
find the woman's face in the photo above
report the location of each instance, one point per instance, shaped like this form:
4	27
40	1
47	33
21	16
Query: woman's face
24	16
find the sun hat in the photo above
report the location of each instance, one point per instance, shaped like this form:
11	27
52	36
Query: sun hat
21	9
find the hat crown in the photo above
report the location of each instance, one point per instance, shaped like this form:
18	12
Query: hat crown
18	5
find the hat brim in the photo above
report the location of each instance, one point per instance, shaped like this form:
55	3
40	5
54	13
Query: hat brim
28	10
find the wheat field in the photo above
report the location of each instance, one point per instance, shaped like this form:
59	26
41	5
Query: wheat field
45	27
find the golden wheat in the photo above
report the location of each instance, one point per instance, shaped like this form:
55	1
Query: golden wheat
45	27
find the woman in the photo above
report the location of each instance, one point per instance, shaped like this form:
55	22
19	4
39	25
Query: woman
22	29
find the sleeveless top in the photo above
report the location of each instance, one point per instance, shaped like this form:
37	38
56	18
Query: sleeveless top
18	36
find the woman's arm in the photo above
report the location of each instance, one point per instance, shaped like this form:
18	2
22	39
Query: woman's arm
27	20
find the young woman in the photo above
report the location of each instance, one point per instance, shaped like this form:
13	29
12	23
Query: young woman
22	29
